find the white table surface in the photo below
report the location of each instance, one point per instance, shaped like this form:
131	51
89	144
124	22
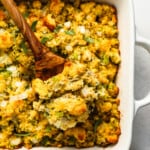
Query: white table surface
141	125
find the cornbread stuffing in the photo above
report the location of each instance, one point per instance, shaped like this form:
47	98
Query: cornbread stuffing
78	107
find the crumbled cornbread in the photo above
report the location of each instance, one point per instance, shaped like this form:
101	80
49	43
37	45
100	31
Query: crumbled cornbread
78	107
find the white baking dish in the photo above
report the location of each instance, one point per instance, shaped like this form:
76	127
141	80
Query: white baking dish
125	77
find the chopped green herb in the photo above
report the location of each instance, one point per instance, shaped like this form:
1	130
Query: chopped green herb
46	114
89	39
59	114
111	85
16	32
70	32
26	15
6	73
27	86
97	123
48	128
105	60
55	79
56	30
2	69
22	134
44	40
23	46
33	26
75	56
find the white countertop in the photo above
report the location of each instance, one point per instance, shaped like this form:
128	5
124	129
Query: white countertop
141	125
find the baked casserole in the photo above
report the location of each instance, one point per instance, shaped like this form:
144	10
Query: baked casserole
78	107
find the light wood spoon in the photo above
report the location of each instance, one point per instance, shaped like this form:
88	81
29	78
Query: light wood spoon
47	63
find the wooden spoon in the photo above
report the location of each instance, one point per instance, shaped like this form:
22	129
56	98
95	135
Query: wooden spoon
47	63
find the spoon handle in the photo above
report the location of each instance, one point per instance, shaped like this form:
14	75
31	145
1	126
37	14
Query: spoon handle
19	20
